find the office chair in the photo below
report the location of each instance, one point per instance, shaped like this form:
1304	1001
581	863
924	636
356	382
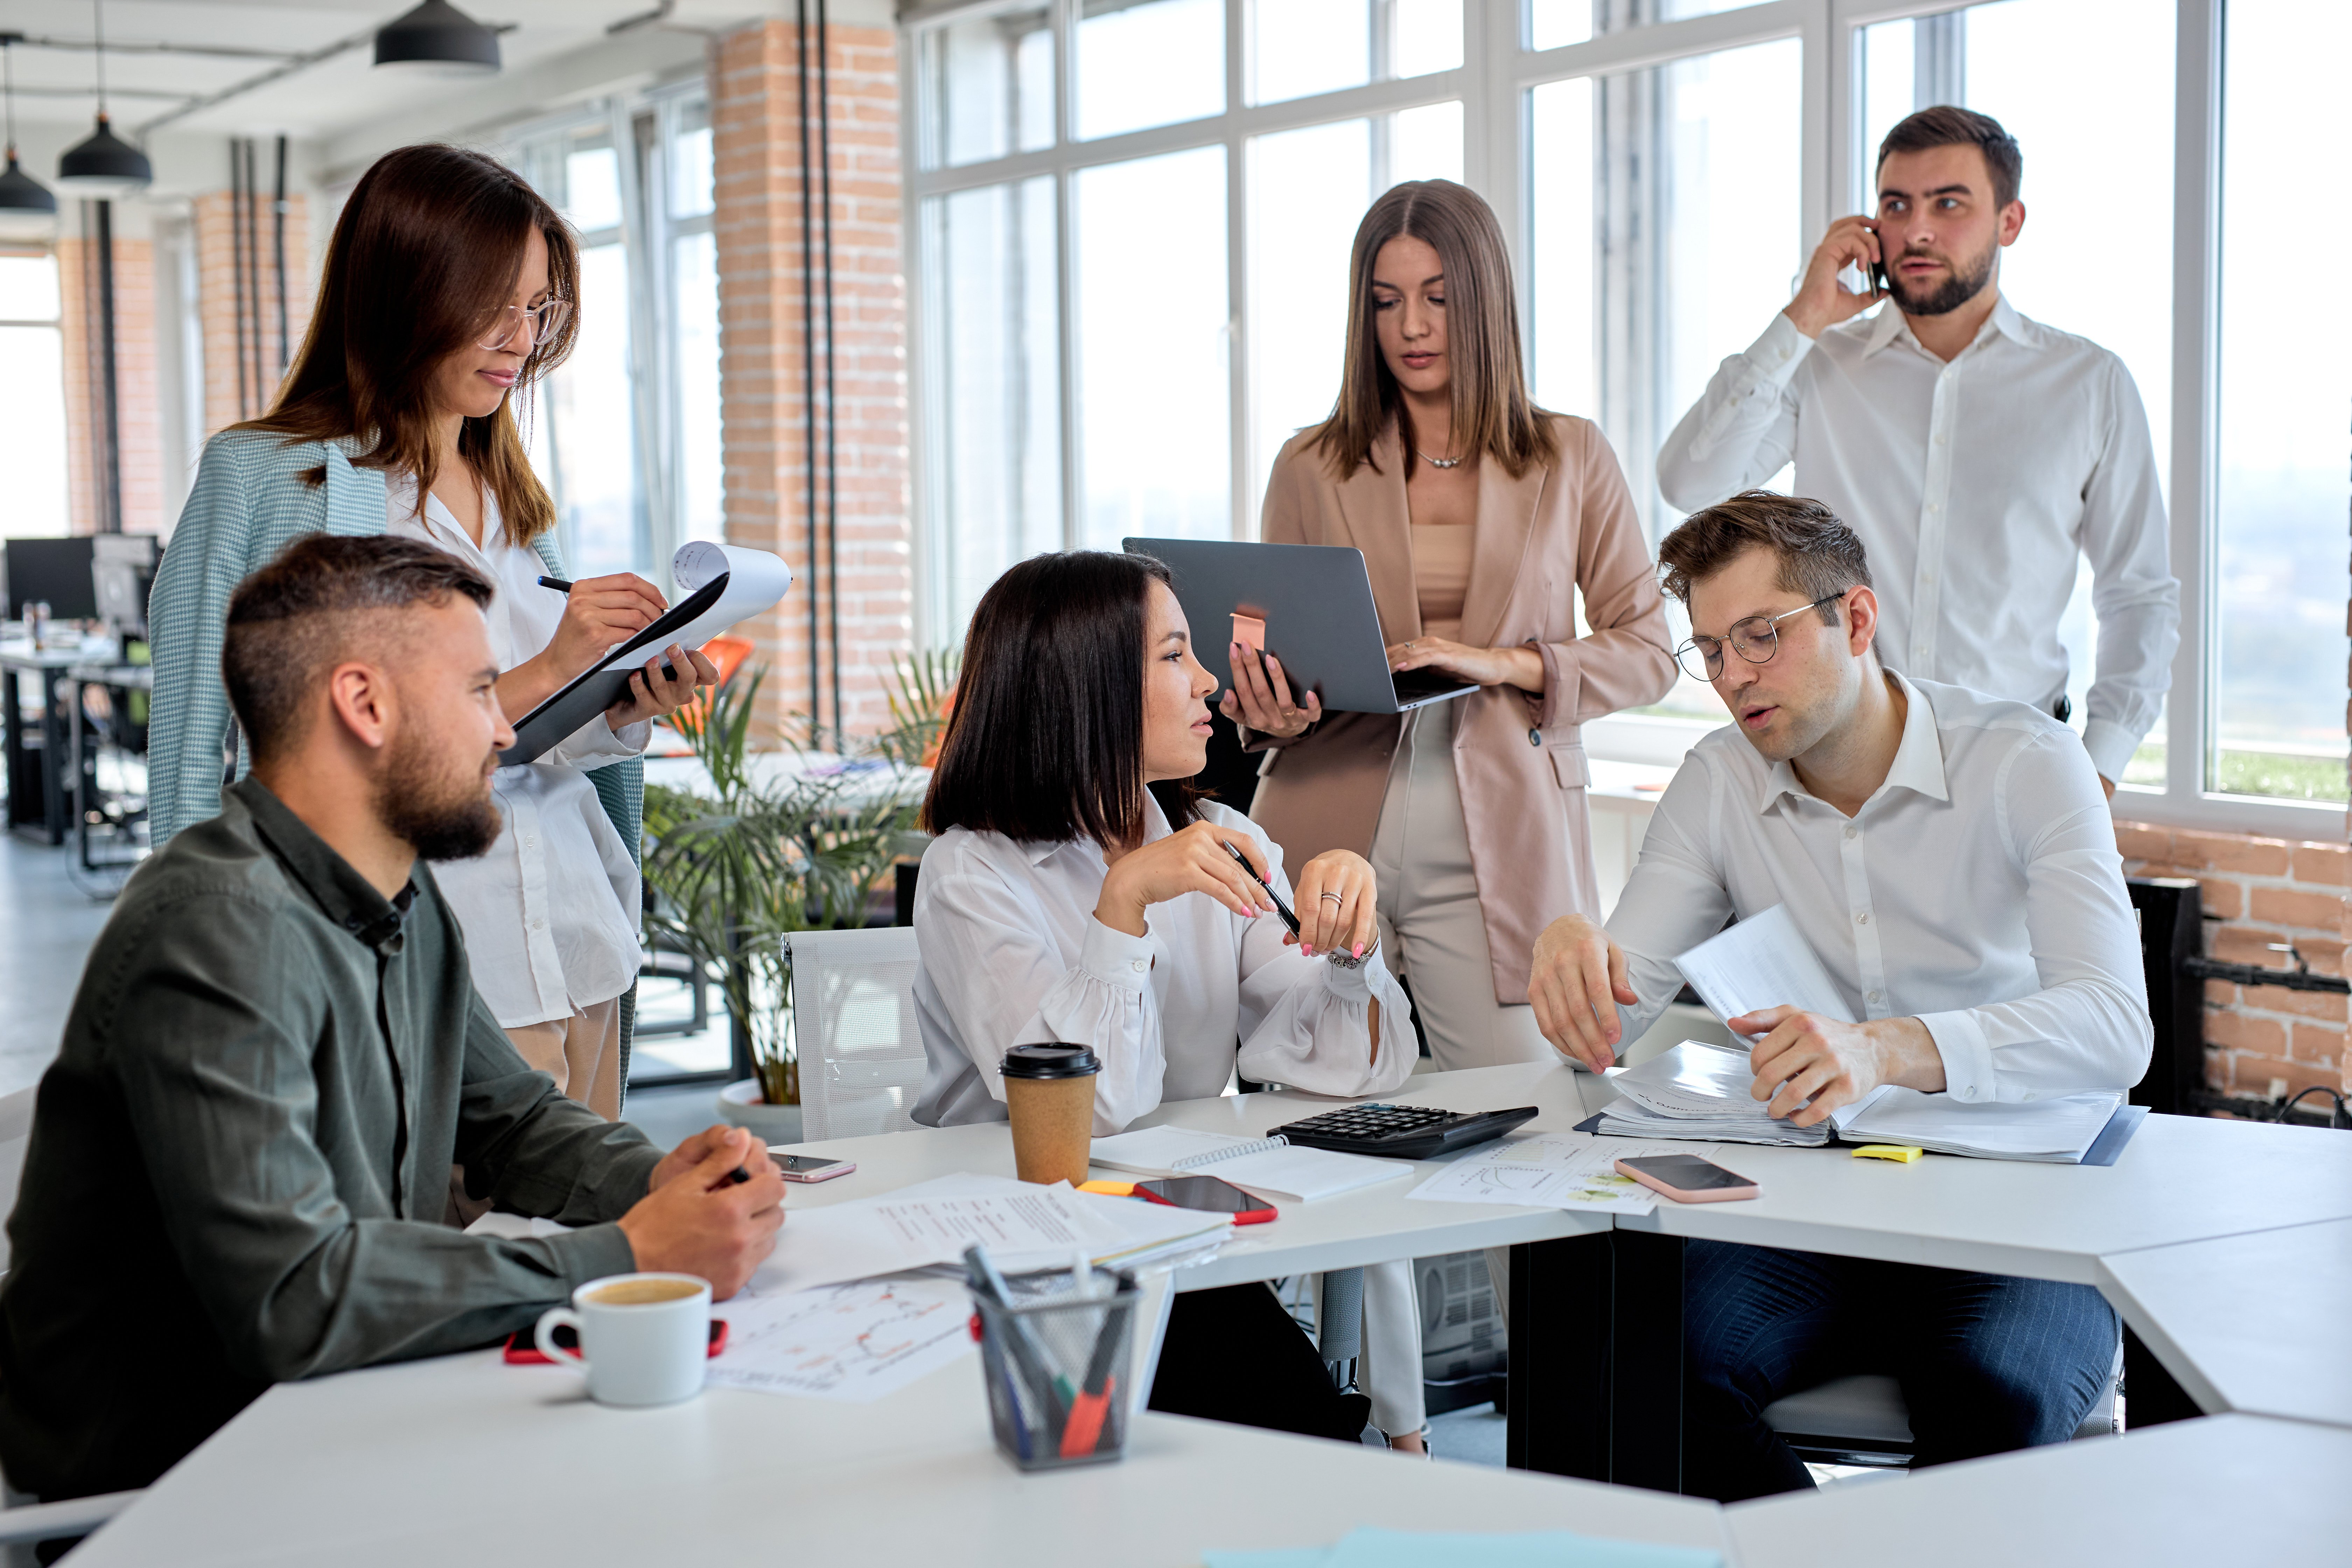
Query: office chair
861	1054
1861	1419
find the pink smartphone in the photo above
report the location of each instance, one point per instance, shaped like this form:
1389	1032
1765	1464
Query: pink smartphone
1687	1179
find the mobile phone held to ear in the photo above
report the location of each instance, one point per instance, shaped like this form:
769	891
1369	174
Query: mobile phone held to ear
1209	1194
1687	1179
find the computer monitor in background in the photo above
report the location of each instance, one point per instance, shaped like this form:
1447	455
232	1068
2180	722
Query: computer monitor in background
123	570
55	570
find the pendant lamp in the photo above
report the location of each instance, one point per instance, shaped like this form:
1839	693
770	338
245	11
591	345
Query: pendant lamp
437	39
28	209
102	165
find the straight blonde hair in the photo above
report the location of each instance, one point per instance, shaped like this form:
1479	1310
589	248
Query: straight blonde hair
1492	415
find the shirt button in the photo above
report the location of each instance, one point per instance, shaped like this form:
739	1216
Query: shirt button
1943	440
1853	832
538	924
1934	506
1863	919
1874	997
531	842
1138	966
2029	1094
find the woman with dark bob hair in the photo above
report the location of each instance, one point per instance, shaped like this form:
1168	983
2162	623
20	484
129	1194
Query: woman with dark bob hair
1080	891
450	288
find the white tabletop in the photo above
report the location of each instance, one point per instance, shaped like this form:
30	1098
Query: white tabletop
2249	1322
464	1460
2228	1489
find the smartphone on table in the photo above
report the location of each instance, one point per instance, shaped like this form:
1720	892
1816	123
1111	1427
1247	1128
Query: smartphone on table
810	1167
1687	1179
1209	1194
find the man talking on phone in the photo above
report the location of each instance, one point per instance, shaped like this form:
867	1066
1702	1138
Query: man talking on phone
1949	858
1977	454
240	1161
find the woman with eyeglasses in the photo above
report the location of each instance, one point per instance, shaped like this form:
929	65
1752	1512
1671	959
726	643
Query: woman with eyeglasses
450	288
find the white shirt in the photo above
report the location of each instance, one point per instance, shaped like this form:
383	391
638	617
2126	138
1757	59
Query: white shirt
550	913
1974	487
1977	890
1013	955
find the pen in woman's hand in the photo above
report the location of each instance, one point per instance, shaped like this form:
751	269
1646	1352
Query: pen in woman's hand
558	584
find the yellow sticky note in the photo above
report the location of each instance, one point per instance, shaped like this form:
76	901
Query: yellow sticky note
1887	1151
1109	1189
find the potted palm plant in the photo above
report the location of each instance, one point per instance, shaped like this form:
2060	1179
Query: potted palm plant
737	870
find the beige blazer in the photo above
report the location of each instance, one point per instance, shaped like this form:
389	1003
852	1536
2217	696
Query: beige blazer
1519	756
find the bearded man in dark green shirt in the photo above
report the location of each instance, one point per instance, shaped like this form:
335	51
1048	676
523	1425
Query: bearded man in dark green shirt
240	1161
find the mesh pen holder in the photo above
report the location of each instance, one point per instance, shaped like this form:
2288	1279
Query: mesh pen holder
1057	1367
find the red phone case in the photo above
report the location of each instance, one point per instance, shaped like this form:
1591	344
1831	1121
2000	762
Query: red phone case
522	1351
1246	1216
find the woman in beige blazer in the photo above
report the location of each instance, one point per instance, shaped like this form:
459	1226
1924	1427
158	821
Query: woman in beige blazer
1481	518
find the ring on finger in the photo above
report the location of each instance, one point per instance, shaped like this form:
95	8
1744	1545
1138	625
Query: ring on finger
1335	897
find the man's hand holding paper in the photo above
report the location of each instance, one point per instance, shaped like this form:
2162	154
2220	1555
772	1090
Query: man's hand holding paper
1808	1065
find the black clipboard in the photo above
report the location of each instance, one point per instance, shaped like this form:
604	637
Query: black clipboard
546	726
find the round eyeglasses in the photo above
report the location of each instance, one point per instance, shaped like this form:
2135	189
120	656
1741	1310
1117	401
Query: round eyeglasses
1755	639
503	324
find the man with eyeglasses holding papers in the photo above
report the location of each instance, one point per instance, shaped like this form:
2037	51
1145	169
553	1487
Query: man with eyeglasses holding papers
1949	857
1977	454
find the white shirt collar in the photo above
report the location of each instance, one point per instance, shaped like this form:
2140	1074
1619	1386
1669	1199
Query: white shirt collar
1919	763
1155	827
1891	323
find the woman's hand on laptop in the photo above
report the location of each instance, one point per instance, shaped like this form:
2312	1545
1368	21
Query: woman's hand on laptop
1260	696
1576	983
1520	666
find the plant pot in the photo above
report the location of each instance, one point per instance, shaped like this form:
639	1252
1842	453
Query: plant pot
739	1105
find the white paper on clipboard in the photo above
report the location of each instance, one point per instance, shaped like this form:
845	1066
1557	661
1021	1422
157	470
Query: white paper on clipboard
718	585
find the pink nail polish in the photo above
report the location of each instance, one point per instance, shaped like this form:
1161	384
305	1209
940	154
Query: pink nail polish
1359	950
1307	949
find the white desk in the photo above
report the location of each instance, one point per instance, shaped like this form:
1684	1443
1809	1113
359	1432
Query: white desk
2249	1322
464	1460
2230	1490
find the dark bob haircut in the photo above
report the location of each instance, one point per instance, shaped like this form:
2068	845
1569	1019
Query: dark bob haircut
1047	740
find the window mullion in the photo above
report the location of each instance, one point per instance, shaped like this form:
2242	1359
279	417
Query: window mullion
2197	121
1065	85
1241	466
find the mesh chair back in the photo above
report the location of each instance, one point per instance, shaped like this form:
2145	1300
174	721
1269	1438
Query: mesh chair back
861	1054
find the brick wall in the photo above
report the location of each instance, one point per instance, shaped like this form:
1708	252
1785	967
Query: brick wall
755	117
2265	891
139	431
216	304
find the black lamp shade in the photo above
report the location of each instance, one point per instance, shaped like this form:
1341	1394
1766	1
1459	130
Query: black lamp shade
103	163
20	192
438	37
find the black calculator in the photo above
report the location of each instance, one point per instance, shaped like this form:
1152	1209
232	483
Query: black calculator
1401	1132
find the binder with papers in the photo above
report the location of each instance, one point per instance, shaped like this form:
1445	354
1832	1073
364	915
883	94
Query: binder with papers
1697	1090
1271	1167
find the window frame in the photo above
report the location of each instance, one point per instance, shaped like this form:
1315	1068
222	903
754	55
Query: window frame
1492	83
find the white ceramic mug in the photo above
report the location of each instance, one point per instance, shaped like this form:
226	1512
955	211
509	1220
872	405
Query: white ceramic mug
635	1351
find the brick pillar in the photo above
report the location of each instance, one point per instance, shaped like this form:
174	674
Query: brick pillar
139	422
756	128
216	239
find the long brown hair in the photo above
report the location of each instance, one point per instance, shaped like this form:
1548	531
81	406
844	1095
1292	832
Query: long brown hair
432	238
1492	415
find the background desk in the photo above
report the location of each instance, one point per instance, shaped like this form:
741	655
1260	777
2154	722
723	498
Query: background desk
37	748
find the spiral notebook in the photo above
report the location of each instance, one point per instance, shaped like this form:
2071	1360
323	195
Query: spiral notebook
1270	1167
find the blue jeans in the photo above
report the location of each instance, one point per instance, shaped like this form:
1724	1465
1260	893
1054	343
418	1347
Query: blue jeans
1987	1363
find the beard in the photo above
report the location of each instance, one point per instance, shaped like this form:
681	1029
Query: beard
442	815
1964	285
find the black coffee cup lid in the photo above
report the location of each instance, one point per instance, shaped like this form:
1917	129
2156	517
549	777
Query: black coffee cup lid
1051	1061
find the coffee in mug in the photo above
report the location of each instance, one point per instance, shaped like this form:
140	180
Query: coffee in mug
1049	1091
644	1338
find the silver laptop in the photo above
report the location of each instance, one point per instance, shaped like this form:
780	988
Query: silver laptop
1316	603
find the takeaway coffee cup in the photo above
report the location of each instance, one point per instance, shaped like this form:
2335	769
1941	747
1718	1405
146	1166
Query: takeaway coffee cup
1050	1090
644	1338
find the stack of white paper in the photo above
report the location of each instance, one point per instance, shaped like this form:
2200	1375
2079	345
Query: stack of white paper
1697	1091
1550	1170
2051	1131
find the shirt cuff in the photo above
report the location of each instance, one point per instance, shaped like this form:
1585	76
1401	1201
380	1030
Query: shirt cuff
1777	354
1967	1056
2111	746
1115	958
593	1252
1350	985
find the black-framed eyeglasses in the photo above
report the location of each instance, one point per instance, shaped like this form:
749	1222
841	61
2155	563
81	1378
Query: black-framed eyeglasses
503	323
1755	639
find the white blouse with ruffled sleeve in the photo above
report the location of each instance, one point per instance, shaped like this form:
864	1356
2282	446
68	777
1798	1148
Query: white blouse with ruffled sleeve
1013	955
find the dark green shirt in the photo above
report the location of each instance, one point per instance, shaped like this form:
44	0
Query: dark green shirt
240	1161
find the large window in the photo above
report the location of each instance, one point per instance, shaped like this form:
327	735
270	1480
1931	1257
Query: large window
626	434
32	394
1134	218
